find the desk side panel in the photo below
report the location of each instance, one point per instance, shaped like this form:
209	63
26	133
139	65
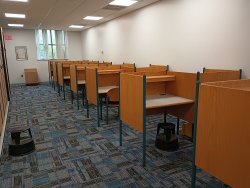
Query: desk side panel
223	134
131	100
109	79
155	88
91	87
81	74
54	71
183	86
60	76
73	78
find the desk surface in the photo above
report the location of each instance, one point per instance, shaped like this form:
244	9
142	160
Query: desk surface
66	77
117	71
157	101
105	89
81	82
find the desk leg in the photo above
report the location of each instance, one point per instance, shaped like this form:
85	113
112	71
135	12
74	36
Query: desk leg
58	89
83	96
64	95
120	125
107	110
165	117
144	145
77	97
100	107
178	125
87	106
98	119
72	96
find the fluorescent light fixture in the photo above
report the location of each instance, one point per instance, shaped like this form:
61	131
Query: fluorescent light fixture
23	1
124	3
76	26
15	25
93	18
11	15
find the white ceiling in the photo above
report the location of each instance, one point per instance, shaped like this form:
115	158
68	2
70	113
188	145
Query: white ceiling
59	14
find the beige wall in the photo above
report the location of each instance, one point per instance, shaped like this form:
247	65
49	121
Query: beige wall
27	38
186	34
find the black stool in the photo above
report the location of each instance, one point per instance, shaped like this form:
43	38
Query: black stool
167	127
167	141
21	145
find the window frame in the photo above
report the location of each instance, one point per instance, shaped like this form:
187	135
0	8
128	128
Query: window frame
50	44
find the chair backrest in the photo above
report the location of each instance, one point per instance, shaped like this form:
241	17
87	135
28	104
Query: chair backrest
113	95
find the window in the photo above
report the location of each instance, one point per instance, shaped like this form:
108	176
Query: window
51	44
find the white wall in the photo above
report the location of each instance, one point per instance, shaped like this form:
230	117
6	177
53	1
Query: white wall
186	34
27	38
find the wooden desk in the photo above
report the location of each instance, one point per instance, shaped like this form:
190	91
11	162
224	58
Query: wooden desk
77	81
142	95
98	83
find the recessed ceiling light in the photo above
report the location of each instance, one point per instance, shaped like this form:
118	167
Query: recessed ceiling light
24	1
11	15
124	3
15	25
93	18
76	26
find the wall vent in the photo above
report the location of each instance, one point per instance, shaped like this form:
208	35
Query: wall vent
114	7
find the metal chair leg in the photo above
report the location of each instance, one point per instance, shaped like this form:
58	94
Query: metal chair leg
107	109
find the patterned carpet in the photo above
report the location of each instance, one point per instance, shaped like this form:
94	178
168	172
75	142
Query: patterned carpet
72	152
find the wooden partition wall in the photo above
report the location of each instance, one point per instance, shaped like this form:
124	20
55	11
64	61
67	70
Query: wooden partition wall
213	76
223	131
152	70
4	88
91	85
131	100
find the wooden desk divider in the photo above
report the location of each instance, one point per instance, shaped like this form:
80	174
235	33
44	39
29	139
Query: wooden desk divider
127	67
212	76
92	90
222	132
152	70
77	81
107	62
135	89
94	62
110	67
114	67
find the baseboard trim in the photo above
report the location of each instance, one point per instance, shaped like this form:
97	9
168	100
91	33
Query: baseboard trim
3	130
23	84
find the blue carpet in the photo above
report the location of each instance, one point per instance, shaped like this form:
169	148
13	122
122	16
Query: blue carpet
71	151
